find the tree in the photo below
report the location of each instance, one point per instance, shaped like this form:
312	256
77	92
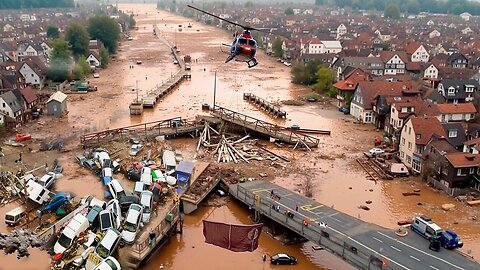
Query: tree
305	73
60	61
392	11
131	21
52	32
82	68
277	47
324	79
78	38
289	11
105	29
249	4
104	57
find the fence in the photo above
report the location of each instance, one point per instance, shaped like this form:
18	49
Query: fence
346	248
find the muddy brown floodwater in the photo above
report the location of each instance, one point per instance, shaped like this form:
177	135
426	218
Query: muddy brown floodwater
338	181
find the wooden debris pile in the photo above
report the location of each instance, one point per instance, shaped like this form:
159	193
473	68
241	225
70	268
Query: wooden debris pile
228	148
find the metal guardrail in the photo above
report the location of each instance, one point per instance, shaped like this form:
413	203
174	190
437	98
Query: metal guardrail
354	254
176	125
264	104
273	130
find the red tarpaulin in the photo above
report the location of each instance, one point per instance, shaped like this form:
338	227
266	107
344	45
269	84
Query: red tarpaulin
238	238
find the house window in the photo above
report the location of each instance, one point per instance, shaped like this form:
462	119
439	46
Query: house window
409	130
402	155
472	170
418	137
451	91
459	172
416	165
452	133
403	141
409	145
450	117
409	159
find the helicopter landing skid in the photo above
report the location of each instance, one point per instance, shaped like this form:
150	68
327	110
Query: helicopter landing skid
252	62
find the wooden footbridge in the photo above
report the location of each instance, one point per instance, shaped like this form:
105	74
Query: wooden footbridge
168	128
152	96
265	105
282	134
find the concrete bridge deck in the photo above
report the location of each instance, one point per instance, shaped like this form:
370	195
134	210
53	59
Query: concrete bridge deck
362	244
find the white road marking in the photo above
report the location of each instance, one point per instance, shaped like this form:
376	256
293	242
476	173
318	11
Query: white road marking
336	219
433	267
397	249
421	251
378	239
415	258
368	248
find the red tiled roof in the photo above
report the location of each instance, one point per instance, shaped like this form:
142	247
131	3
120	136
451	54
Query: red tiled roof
350	83
461	159
371	89
412	47
426	127
456	108
472	141
29	94
387	55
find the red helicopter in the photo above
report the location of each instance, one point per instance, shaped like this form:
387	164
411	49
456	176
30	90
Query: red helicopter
243	47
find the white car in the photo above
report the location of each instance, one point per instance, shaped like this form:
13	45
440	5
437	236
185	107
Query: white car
77	225
114	207
376	151
146	200
109	263
132	223
47	180
96	75
146	176
116	189
135	149
322	224
107	220
104	249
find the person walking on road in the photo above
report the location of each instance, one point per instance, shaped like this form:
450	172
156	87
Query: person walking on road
296	207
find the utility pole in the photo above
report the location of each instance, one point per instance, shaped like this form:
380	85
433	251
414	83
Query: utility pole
215	89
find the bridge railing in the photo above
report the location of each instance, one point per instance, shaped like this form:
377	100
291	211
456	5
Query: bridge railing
349	250
264	126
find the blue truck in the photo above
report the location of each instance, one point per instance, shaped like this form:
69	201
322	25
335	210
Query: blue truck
424	226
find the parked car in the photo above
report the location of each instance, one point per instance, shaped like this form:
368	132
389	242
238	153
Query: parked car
90	164
75	226
93	216
132	223
134	141
14	216
96	75
126	201
80	159
78	261
109	263
104	249
114	207
295	127
283	259
116	189
138	188
344	110
56	201
146	176
92	201
107	221
107	175
376	151
135	149
47	180
133	175
37	192
146	200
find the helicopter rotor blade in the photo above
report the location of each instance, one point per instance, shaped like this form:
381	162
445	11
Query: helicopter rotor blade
222	19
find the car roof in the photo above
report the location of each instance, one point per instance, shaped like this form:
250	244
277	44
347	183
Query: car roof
133	213
110	237
145	197
116	185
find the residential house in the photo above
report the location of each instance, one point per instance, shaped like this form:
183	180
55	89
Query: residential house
431	72
346	87
10	106
341	30
34	72
415	135
456	134
384	35
417	52
458	91
25	50
370	65
394	62
467	30
29	101
433	34
457	60
316	46
366	93
94	59
455	112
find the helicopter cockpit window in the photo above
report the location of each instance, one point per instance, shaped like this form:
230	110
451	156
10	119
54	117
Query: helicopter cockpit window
252	42
242	40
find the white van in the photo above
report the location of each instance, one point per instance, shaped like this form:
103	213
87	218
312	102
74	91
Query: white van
37	192
14	216
146	176
78	224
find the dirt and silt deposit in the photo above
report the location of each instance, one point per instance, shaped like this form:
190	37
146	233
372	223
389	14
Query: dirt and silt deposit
338	181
